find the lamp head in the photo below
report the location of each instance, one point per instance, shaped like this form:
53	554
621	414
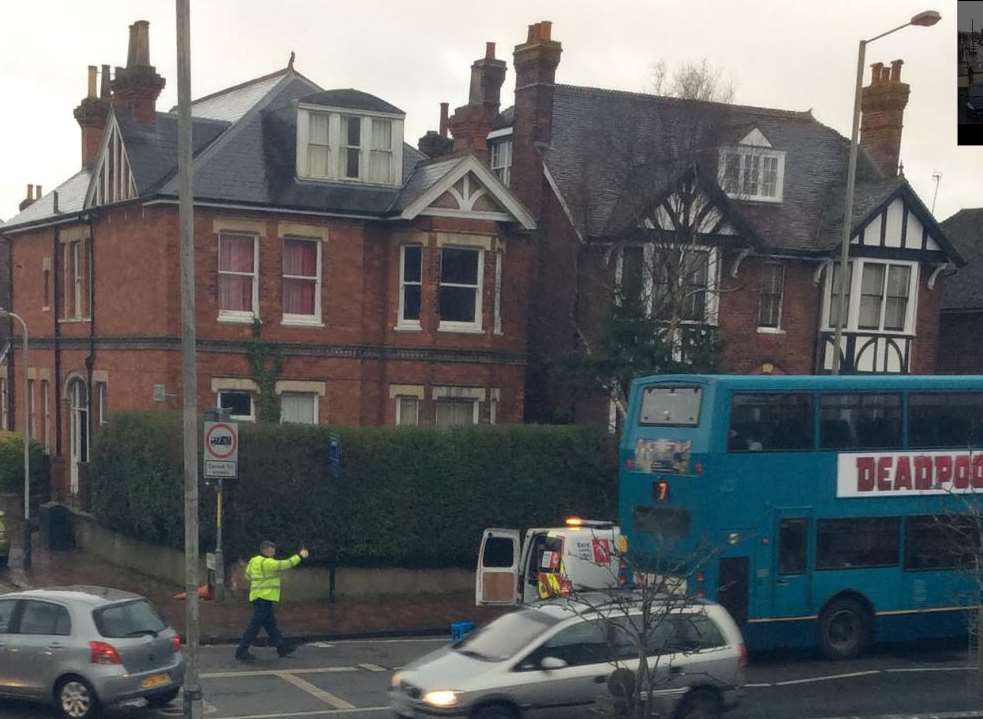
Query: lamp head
926	18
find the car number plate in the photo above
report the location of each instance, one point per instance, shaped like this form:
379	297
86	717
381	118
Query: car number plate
156	680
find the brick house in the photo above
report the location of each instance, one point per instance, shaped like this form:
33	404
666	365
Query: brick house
961	323
771	184
394	288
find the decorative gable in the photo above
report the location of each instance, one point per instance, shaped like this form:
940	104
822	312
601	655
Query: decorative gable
112	180
708	218
895	226
469	190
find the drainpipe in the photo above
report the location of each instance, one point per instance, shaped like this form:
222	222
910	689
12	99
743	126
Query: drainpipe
56	271
91	358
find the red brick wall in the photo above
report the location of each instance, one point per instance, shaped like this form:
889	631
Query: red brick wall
925	348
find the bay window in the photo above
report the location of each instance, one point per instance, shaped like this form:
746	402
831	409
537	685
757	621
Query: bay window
461	271
301	280
882	299
238	296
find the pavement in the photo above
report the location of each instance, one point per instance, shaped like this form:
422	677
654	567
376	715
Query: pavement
224	622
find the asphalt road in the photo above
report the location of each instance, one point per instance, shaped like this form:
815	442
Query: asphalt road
349	680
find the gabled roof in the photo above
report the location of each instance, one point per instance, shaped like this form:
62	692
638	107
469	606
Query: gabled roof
601	137
353	99
71	199
964	289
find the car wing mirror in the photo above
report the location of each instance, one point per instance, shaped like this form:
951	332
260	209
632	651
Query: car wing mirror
551	663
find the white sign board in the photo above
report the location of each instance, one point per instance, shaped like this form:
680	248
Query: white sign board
221	445
903	474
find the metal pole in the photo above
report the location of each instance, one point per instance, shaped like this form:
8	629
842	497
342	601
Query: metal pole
219	558
842	309
192	687
27	453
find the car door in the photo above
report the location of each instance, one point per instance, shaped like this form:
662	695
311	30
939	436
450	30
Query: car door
497	576
572	690
11	670
43	636
692	651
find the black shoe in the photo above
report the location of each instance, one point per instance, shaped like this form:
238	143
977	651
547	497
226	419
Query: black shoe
245	656
286	650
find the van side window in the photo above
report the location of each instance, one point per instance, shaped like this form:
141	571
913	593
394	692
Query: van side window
770	422
860	421
499	552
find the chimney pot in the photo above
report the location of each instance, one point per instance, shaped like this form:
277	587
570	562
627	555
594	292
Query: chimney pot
143	42
489	51
37	190
896	70
532	33
93	71
875	75
104	86
545	30
30	191
443	118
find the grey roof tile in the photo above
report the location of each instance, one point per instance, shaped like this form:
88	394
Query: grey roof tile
233	102
426	175
964	289
351	98
71	196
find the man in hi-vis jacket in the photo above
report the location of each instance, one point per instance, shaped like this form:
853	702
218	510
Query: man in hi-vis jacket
263	573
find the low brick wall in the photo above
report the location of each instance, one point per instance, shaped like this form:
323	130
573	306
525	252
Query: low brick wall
303	584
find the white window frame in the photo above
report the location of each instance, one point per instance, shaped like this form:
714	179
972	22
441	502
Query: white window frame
251	417
399	412
476	326
304	320
853	307
295	393
102	414
777	329
307	146
500	159
335	145
711	303
32	416
744	152
344	147
73	253
475	410
46	412
239	315
372	150
401	322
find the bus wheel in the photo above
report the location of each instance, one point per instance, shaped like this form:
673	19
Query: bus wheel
844	629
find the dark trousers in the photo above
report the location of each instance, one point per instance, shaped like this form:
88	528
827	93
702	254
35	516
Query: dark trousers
263	618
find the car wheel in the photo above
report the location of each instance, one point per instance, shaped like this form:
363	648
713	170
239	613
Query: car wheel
163	698
844	629
699	704
76	699
495	711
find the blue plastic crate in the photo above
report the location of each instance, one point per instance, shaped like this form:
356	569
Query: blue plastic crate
460	629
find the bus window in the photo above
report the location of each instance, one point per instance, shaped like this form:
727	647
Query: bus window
792	546
941	541
860	421
863	542
664	521
763	422
666	405
940	420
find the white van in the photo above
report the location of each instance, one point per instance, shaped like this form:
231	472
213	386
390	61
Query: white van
583	555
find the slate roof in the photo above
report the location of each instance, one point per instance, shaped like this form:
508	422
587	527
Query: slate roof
425	176
71	198
604	140
964	289
351	98
233	102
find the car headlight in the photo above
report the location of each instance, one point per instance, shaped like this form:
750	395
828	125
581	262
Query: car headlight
447	698
396	679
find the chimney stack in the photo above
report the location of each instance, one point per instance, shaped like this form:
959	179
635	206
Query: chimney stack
535	63
443	118
137	86
471	123
882	107
91	116
31	197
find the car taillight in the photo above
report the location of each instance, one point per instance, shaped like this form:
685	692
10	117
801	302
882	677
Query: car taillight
102	653
176	641
741	657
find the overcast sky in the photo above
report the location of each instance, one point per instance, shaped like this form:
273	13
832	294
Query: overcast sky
788	54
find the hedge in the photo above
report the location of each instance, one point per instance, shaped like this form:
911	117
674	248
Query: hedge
404	497
12	467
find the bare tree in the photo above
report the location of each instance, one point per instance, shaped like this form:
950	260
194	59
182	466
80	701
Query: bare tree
650	246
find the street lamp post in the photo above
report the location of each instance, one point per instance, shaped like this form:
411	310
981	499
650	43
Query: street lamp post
27	445
922	19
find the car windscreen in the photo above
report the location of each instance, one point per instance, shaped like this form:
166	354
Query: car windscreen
505	636
128	619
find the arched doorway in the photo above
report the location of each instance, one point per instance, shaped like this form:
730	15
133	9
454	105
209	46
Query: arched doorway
78	397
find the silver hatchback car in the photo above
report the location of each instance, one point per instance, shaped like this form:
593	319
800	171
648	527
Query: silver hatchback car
83	648
554	660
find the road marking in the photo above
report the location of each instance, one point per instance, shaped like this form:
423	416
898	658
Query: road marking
756	686
443	639
373	668
969	714
316	692
320	645
931	669
273	672
827	678
318	713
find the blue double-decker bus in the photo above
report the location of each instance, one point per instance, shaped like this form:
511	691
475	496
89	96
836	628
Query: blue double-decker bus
829	510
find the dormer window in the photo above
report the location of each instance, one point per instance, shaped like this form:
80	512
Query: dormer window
361	143
752	170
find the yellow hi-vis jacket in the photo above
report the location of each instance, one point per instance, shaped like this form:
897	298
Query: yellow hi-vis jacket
263	575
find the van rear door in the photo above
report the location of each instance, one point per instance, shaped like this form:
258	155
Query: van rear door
497	575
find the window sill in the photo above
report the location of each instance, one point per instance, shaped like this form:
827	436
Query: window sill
770	331
452	328
301	322
408	327
73	320
46	308
237	319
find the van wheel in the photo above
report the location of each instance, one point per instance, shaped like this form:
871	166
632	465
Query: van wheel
494	711
844	629
700	704
76	699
